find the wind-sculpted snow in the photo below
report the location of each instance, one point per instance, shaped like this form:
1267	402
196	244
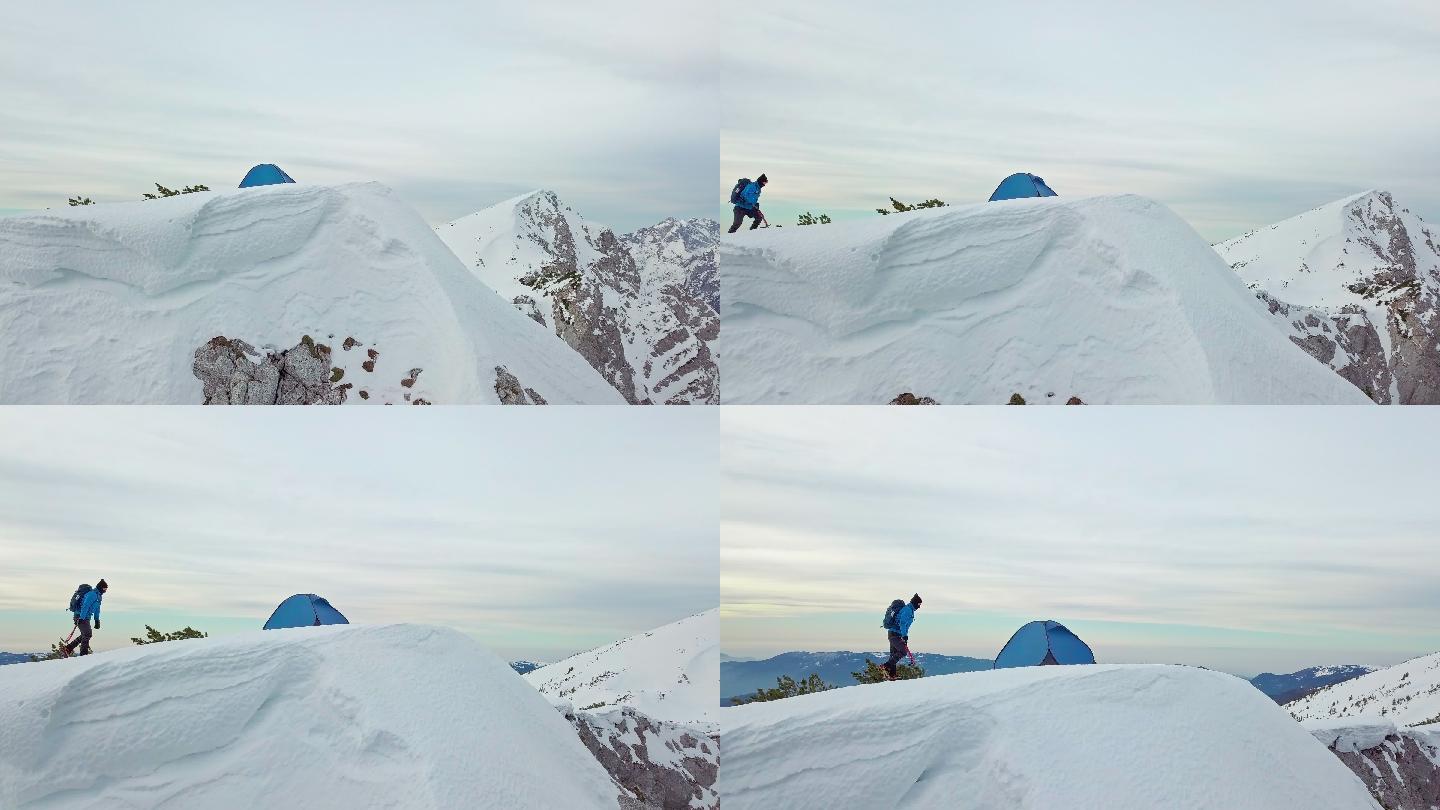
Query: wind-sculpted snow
343	716
1356	283
670	673
1106	299
1117	737
123	303
633	306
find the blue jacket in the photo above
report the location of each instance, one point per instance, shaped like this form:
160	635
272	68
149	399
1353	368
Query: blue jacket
89	606
750	197
904	617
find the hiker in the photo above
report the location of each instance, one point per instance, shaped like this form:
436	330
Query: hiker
897	624
88	610
746	199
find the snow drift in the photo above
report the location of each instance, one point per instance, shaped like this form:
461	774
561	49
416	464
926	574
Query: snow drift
1110	299
290	293
1356	283
1034	737
342	716
671	672
632	306
646	708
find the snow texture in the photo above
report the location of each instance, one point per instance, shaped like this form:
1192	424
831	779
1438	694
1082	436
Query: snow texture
1109	299
319	293
340	716
1118	737
1356	283
670	673
632	306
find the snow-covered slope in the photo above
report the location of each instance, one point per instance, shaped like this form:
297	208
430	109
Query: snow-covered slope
343	716
1109	299
1385	726
290	293
1356	283
669	673
646	708
631	306
1407	694
1117	737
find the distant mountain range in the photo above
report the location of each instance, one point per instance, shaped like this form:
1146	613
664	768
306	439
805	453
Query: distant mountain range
524	667
13	658
1295	685
740	677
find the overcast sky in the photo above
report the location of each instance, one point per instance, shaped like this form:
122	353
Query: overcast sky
454	104
1241	539
1234	113
540	532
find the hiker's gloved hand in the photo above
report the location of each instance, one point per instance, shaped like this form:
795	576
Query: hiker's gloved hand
97	624
905	639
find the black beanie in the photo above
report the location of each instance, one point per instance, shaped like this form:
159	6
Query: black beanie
762	179
916	600
101	585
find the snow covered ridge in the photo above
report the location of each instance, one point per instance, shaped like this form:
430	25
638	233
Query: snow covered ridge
1153	736
1407	694
282	293
670	673
341	716
1356	283
1109	299
636	307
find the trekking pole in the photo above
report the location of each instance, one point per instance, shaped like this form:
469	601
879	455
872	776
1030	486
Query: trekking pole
912	655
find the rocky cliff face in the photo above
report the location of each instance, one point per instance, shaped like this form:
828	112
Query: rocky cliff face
634	307
1356	284
658	764
1400	766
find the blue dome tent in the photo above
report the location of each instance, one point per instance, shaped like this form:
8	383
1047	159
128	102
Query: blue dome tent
304	610
1040	643
1021	185
266	174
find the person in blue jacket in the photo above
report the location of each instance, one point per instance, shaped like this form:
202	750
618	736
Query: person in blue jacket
89	611
900	635
749	204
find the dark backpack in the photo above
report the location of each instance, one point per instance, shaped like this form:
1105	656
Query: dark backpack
740	186
78	597
892	616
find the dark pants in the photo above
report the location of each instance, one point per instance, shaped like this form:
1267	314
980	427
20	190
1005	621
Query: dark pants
83	641
740	214
898	650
